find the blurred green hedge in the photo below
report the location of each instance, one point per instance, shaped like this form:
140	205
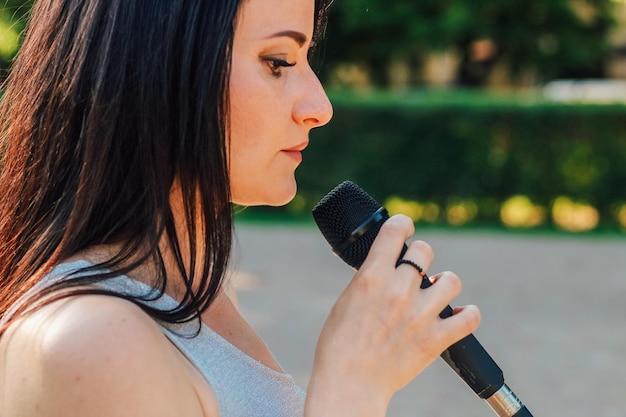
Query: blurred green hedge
482	152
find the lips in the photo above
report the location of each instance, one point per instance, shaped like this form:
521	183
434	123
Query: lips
295	152
298	148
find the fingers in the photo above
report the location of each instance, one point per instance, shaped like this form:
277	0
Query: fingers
445	288
380	267
419	256
403	282
385	329
464	320
389	243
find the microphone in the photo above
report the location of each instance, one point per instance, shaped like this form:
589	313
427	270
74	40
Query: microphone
350	219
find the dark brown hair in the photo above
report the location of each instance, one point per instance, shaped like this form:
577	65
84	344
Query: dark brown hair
109	102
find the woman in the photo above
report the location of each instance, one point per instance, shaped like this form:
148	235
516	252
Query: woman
129	130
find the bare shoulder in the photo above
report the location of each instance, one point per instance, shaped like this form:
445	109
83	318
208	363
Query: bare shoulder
99	356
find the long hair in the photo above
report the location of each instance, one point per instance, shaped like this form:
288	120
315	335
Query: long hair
108	104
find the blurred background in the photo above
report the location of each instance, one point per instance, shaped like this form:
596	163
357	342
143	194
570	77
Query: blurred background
465	112
499	126
473	112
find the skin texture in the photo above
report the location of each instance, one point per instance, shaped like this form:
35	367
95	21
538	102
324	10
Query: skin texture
273	108
66	359
384	330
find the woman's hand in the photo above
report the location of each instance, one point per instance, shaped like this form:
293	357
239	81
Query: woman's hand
384	330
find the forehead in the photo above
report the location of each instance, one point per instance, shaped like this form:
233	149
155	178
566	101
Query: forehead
262	18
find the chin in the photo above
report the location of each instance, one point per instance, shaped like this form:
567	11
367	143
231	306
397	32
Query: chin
280	199
275	196
279	203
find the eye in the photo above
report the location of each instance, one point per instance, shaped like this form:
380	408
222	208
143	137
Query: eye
276	65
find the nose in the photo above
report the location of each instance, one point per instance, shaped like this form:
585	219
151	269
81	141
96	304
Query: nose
313	109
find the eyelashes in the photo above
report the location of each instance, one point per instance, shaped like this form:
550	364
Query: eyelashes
276	65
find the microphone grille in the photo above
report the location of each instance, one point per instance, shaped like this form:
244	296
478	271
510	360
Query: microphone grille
341	212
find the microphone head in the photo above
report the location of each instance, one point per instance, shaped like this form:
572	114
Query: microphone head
345	218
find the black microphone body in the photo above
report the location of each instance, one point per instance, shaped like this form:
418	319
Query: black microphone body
350	219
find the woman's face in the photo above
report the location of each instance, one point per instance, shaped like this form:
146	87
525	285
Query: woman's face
275	99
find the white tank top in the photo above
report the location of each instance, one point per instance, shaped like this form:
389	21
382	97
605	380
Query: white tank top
244	387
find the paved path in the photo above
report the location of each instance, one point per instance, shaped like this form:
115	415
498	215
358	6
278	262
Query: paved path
554	314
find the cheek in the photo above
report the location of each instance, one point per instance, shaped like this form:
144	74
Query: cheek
248	110
260	126
246	127
256	116
245	145
242	116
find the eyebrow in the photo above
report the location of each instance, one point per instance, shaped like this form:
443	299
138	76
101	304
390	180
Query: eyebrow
299	37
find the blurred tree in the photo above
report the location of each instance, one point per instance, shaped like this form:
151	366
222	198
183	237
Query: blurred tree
552	38
13	14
